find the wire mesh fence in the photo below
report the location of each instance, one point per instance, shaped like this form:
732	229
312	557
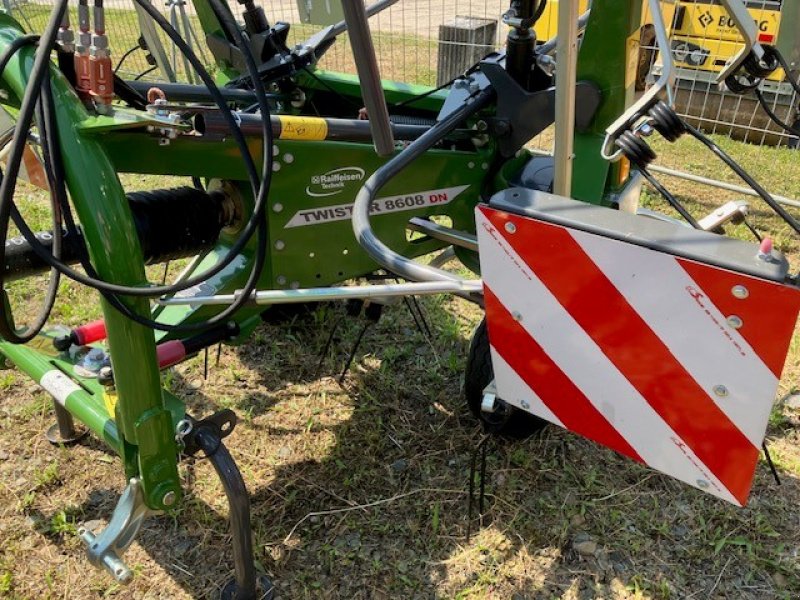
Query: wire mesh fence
429	41
702	39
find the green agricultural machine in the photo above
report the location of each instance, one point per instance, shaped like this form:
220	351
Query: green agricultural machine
305	180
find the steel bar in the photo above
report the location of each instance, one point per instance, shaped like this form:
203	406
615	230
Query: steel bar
731	187
369	75
426	288
85	407
566	70
371	10
184	92
238	513
444	234
550	45
154	45
344	130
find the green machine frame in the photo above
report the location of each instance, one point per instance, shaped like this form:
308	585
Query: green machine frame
311	241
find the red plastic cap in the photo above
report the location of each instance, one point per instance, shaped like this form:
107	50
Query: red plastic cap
766	247
170	353
91	332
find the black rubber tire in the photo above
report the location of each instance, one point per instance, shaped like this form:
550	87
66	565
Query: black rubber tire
506	420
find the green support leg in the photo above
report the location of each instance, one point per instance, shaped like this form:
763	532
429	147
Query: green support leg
610	42
147	443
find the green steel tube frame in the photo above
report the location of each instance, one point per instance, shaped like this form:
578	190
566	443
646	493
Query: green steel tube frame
141	429
146	440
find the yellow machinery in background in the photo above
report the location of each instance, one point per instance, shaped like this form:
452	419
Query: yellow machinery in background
703	37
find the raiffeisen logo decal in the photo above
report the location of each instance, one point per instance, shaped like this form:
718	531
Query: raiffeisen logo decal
334	182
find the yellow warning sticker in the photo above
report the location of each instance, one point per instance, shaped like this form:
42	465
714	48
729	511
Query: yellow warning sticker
303	128
110	402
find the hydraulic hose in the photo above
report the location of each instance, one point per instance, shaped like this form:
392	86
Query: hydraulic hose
380	252
91	279
39	72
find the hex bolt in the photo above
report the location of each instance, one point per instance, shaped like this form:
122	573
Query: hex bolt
702	483
735	322
510	227
280	245
277	207
525	404
288	158
517	316
740	292
169	498
281	280
721	391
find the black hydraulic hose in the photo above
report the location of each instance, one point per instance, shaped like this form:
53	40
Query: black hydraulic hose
745	176
380	252
771	114
32	330
124	57
14	46
145	72
672	200
108	290
539	10
252	224
39	70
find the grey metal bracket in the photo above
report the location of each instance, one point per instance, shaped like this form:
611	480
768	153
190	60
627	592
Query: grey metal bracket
747	28
734	211
106	549
489	402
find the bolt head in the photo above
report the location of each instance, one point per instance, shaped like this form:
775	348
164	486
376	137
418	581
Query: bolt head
510	227
169	499
280	245
702	483
721	391
525	404
735	321
740	292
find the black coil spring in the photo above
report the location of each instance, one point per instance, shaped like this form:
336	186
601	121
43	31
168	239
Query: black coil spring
741	83
635	149
764	66
666	121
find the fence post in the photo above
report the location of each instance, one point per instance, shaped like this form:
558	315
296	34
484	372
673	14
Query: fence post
462	43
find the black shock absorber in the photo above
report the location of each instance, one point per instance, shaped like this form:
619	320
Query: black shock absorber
171	224
521	40
255	21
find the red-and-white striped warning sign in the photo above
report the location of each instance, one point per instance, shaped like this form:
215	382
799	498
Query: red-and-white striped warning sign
671	362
